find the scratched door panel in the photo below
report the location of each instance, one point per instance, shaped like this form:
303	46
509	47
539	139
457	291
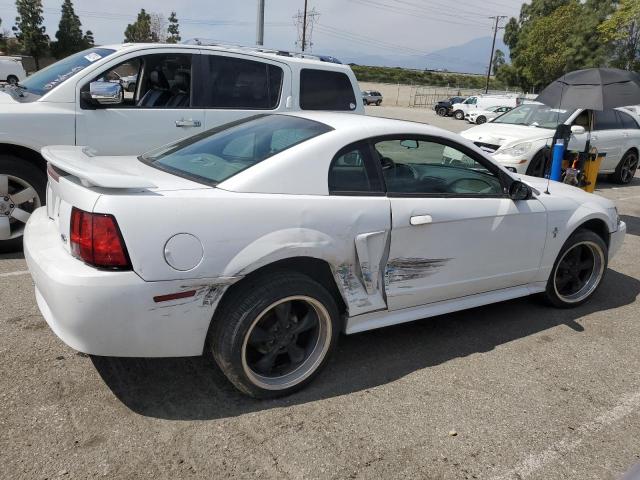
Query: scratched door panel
470	245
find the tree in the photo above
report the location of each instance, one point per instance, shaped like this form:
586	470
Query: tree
69	35
622	31
498	61
29	29
173	29
87	39
140	30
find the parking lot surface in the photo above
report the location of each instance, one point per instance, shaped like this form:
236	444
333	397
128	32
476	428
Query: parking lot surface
515	390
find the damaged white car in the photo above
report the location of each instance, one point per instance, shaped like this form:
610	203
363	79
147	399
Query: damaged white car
259	242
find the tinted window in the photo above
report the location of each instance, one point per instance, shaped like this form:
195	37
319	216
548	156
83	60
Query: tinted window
417	166
348	171
606	120
238	83
218	154
627	120
49	78
323	90
536	115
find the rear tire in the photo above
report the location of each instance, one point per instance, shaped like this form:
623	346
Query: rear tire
378	103
273	335
441	111
578	271
20	176
365	102
458	115
626	169
12	80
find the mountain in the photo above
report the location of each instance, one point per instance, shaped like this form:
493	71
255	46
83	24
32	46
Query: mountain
470	57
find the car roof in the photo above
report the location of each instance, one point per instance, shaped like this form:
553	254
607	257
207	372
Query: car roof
288	57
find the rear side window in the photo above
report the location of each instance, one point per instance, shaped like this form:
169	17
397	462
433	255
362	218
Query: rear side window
216	155
606	120
326	90
238	83
627	120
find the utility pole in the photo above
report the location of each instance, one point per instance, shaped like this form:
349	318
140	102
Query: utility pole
304	26
260	24
493	47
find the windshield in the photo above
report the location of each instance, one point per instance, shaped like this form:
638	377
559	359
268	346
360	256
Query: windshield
535	114
216	155
49	78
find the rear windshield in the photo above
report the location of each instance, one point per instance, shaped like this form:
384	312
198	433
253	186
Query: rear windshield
49	78
216	155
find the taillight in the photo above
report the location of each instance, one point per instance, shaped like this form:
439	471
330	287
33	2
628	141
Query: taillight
96	239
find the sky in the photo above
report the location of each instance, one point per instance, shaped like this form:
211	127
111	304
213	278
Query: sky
401	28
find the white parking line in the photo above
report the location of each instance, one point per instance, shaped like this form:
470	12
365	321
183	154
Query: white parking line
14	274
535	462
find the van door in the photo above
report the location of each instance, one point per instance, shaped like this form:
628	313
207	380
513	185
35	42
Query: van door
230	87
157	109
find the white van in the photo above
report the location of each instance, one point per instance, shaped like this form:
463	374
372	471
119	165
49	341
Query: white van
11	70
482	102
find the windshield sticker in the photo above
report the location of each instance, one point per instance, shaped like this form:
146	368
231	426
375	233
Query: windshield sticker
61	78
93	56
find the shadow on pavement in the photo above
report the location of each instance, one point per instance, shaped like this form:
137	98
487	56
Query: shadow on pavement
633	224
194	388
603	183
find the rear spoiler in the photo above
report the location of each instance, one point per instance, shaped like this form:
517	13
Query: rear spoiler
81	163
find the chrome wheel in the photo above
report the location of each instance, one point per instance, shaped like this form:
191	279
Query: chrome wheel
286	343
18	200
628	167
579	271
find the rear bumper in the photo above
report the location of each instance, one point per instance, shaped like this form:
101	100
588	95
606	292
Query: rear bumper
113	313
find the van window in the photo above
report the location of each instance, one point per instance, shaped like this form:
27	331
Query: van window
324	90
239	83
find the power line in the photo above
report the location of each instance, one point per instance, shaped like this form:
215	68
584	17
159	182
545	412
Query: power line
493	47
304	22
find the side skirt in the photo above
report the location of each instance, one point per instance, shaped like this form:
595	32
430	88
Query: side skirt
385	318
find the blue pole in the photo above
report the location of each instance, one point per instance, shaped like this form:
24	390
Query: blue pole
556	162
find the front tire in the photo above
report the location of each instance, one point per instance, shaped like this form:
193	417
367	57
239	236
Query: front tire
378	103
441	112
458	115
12	80
272	336
578	271
22	190
536	166
480	120
626	169
365	103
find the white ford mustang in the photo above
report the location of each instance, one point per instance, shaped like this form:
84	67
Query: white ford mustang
260	241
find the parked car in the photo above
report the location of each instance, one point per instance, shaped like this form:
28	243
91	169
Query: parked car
183	90
11	70
443	107
371	96
258	242
519	138
483	116
481	102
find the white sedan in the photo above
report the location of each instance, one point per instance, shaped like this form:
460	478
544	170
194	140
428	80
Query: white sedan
258	242
483	116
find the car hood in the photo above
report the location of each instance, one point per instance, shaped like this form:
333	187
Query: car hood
559	189
505	134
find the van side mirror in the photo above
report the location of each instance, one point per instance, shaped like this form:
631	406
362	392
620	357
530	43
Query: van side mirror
519	191
105	93
577	130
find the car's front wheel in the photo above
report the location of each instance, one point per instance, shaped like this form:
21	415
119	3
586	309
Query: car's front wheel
481	119
578	271
626	169
272	336
441	111
12	79
458	115
537	165
365	102
378	102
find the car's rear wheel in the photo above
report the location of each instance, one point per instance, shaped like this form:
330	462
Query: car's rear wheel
22	190
578	271
626	169
365	102
481	119
12	79
378	102
458	115
272	337
441	111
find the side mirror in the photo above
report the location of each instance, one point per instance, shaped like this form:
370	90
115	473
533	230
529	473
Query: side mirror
106	93
577	129
519	191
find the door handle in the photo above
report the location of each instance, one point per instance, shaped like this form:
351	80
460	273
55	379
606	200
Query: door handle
420	220
188	123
